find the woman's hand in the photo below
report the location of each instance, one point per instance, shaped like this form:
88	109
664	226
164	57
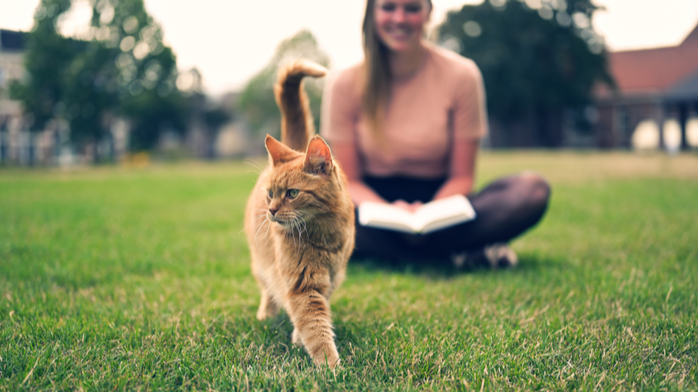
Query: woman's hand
411	207
346	155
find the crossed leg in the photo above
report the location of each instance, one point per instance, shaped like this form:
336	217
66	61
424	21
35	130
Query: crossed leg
505	209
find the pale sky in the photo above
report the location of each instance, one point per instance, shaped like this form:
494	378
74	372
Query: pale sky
230	40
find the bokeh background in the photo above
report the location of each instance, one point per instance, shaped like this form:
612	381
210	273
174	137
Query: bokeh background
94	81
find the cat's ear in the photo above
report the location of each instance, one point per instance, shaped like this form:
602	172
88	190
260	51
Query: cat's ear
318	157
278	152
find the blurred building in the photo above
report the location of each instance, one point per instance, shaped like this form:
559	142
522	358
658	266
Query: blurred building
233	139
656	104
213	129
11	60
20	144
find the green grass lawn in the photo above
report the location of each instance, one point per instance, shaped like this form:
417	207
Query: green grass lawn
128	279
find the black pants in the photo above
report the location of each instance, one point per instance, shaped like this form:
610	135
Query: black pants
505	209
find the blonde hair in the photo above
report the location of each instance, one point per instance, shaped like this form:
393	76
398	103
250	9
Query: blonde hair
376	73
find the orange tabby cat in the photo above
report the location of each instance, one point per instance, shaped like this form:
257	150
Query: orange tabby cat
300	221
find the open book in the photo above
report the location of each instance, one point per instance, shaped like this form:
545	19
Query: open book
432	216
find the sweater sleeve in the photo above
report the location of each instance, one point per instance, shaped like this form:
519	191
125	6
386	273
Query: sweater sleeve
469	104
340	109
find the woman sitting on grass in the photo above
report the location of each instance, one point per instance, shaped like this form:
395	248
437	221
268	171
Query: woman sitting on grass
405	125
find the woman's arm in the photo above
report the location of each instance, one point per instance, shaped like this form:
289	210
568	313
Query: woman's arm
346	155
461	169
340	108
469	125
460	179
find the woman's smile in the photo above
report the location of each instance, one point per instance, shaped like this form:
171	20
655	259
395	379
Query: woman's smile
400	23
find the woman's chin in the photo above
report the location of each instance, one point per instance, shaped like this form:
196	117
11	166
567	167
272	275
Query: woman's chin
402	46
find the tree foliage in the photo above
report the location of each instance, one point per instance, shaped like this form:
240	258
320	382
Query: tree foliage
531	59
257	102
118	67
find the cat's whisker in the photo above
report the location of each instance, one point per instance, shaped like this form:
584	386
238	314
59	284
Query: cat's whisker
256	165
297	226
291	225
261	215
253	223
299	223
260	228
268	227
256	220
305	226
256	242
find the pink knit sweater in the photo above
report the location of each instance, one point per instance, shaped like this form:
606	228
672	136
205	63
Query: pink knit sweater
442	101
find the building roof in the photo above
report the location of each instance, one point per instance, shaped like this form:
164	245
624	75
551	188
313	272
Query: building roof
11	40
651	71
685	90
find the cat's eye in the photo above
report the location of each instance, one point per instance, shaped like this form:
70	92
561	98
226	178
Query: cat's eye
292	193
271	194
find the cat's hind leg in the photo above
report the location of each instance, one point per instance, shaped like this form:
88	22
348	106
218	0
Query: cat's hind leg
267	307
296	337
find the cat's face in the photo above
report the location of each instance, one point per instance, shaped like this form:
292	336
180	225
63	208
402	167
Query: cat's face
300	186
292	197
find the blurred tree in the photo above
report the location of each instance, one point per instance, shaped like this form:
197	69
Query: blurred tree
536	56
257	103
118	67
47	60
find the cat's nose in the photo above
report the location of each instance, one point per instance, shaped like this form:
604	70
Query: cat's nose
273	211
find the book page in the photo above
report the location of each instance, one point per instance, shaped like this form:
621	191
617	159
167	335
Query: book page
429	217
385	216
443	212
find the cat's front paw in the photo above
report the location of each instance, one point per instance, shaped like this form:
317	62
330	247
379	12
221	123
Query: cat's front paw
331	361
329	356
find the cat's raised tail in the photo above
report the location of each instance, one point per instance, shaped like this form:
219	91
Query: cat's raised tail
296	119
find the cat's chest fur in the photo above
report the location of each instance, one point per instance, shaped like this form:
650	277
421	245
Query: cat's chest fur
324	241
